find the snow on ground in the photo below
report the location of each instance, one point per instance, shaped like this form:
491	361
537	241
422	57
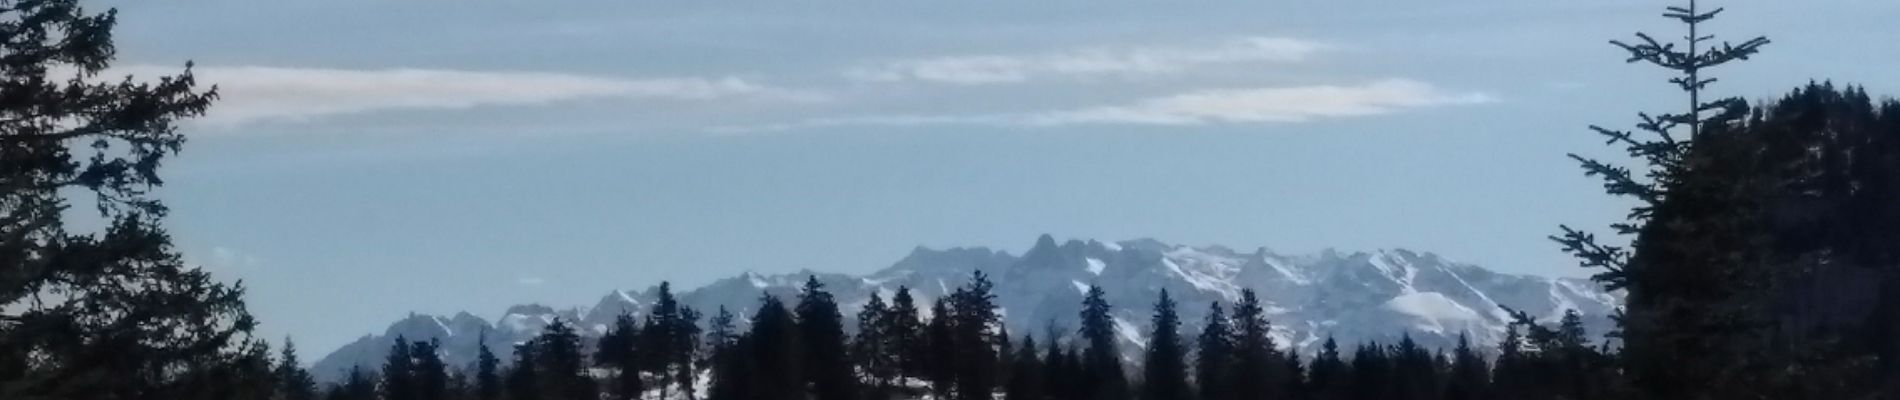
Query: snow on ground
1096	266
1432	309
1129	332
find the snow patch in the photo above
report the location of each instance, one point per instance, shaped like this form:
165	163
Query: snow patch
1129	332
1081	287
1433	310
1096	266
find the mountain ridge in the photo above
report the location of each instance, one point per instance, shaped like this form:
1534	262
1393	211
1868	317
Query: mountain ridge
1355	296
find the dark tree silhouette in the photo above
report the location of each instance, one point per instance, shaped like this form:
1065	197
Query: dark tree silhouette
112	313
1164	370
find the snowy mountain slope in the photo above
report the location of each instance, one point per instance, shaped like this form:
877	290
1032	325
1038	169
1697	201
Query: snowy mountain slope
1351	296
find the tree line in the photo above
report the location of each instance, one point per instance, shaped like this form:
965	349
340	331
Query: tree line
959	349
1759	263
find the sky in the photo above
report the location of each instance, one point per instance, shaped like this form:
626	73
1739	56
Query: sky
369	159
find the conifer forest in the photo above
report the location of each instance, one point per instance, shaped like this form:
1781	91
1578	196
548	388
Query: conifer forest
1759	258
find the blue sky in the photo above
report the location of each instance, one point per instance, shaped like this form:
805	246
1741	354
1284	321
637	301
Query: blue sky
372	158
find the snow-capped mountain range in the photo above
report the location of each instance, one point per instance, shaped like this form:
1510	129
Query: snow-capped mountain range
1354	297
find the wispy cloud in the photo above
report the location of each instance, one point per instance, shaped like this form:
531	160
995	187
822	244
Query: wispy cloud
530	281
1089	61
1282	104
255	93
1210	106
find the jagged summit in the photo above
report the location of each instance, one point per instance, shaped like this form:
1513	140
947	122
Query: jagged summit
1353	296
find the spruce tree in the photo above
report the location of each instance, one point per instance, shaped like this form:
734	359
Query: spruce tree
617	351
293	381
821	335
939	361
1687	325
1103	377
111	312
358	385
399	376
1164	370
660	343
1470	373
774	350
487	374
1371	373
903	330
524	377
561	366
428	373
1214	356
726	367
1329	374
1026	373
973	359
1255	363
874	360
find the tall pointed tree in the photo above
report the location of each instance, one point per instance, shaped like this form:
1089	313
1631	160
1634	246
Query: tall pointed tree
487	370
617	351
524	376
773	349
726	365
428	373
293	381
973	313
1213	359
561	365
821	334
1026	373
1470	373
399	376
874	360
1164	371
903	330
1102	365
1329	376
1255	365
1687	325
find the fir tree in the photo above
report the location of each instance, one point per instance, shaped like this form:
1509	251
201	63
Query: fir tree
973	313
874	360
903	330
667	344
1103	378
722	359
1469	378
1371	373
524	377
1255	363
727	366
1214	356
821	334
772	348
1686	329
293	382
428	373
939	361
358	385
1058	376
617	351
487	374
560	365
399	376
1329	376
1026	373
1164	371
